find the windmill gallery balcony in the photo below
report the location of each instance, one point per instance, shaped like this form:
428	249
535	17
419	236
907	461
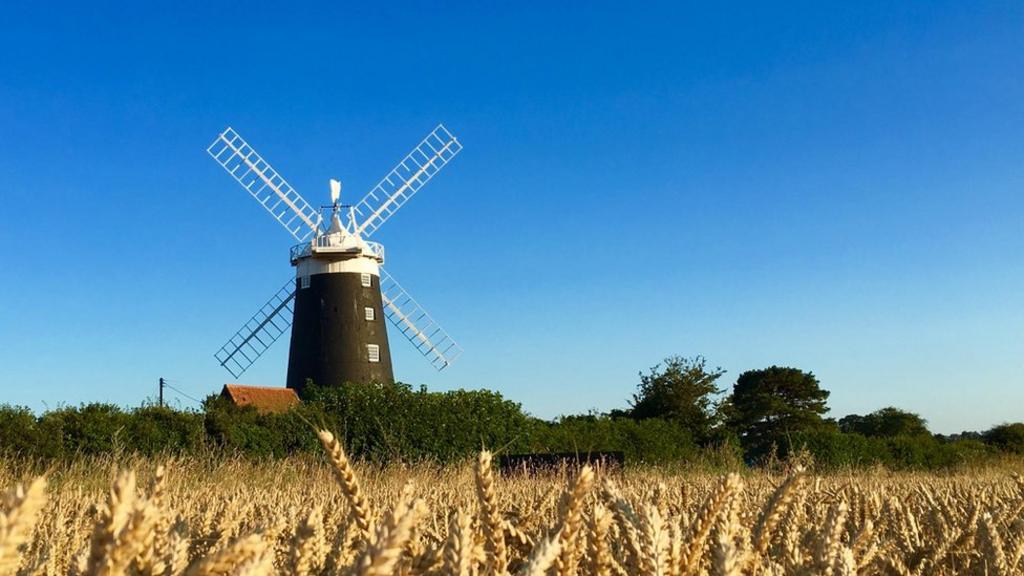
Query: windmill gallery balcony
325	244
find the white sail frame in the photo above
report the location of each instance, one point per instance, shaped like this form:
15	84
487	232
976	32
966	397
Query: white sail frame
264	183
396	188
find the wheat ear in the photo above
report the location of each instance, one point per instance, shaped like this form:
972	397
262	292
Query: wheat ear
830	544
543	556
458	550
152	557
732	540
727	558
346	476
114	518
307	544
226	560
716	501
627	523
654	541
565	562
490	517
383	555
18	521
262	564
773	512
992	546
597	542
133	540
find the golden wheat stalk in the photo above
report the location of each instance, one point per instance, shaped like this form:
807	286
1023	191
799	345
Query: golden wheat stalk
21	511
106	553
773	512
992	546
716	502
346	476
654	541
598	551
543	557
568	535
228	559
830	544
490	516
727	559
458	551
307	544
392	536
627	523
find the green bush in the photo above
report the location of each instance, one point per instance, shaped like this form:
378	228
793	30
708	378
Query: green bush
832	449
101	429
19	431
1007	437
384	422
971	452
154	429
650	441
885	423
89	429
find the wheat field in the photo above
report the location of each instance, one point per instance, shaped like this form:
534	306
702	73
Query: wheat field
211	516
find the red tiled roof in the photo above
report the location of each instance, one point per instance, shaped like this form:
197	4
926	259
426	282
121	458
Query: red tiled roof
264	398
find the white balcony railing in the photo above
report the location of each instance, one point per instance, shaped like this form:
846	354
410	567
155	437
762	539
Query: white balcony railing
328	245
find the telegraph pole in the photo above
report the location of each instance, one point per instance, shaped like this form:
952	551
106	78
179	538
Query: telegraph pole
161	392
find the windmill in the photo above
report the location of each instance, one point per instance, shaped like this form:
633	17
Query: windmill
340	295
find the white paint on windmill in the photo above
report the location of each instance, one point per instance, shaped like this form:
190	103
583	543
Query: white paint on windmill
337	273
311	267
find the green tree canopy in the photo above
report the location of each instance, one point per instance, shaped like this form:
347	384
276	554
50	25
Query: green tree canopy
1007	437
769	405
680	390
885	423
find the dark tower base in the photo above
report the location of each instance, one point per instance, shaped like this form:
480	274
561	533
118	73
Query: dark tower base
331	333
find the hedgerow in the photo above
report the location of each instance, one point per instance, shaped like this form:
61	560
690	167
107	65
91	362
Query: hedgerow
388	423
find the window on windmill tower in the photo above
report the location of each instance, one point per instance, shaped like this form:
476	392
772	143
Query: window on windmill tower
367	281
304	282
370	313
373	351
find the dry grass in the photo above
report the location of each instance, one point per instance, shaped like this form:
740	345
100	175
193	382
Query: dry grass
207	517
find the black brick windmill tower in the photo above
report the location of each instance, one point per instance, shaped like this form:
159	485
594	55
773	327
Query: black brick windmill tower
337	302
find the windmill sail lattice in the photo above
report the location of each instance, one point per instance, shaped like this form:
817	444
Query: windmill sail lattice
416	324
264	183
262	330
399	185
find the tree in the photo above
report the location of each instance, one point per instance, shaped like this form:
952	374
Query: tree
680	390
885	423
769	405
1007	437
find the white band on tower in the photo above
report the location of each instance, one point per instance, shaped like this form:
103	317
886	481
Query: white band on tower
360	265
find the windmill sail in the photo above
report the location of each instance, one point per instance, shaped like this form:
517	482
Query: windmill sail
413	321
415	170
264	183
262	330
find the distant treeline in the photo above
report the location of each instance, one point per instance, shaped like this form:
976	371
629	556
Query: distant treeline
678	416
378	423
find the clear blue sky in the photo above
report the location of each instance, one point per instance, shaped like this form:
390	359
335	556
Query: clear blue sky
831	186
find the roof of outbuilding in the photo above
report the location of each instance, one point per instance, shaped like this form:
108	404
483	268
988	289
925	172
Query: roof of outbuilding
264	398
